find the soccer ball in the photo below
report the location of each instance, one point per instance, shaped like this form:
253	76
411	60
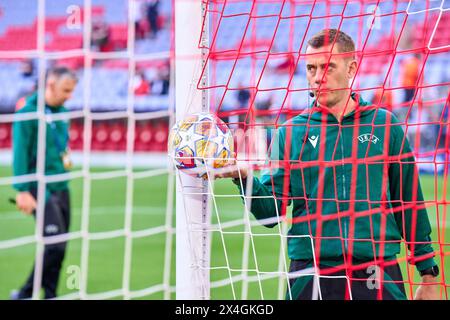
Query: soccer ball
200	142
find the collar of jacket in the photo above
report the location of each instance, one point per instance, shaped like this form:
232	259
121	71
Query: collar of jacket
317	113
33	100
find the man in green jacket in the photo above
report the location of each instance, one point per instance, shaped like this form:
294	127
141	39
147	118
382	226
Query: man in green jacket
60	84
349	172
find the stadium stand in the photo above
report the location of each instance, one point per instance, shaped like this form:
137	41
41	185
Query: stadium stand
109	80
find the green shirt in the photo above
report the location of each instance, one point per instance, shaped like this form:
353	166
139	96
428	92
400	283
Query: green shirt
362	207
25	135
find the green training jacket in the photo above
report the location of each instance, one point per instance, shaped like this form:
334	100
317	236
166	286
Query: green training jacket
25	134
363	207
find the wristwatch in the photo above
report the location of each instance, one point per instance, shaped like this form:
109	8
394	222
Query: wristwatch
433	271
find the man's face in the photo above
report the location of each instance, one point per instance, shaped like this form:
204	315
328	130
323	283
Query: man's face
329	74
61	89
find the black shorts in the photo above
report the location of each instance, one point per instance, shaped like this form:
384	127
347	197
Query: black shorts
359	284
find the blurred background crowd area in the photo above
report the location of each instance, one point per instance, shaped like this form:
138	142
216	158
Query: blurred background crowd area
256	71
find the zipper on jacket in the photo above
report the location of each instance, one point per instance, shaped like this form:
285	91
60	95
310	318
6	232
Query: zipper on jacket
344	193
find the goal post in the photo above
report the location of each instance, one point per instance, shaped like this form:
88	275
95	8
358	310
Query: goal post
192	202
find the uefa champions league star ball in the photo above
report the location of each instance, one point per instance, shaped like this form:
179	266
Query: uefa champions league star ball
200	142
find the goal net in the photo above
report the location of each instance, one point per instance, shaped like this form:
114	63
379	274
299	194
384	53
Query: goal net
314	186
119	243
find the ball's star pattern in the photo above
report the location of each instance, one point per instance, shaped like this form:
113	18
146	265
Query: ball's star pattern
193	134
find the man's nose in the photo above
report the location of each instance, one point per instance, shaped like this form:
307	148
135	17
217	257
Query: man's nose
319	77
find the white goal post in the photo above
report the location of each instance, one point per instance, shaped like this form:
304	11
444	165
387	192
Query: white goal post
193	213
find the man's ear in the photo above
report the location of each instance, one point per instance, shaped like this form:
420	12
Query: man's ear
352	66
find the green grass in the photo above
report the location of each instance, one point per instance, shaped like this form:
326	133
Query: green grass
106	257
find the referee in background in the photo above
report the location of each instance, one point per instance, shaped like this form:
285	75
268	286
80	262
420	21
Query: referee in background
59	86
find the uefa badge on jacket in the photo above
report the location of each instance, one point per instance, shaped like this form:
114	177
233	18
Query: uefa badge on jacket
65	157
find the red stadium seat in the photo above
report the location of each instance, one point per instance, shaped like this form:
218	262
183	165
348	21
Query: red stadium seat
52	24
118	35
143	138
99	136
61	43
72	63
161	131
76	136
18	38
115	64
5	135
117	137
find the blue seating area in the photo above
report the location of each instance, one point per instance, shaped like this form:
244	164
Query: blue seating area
287	26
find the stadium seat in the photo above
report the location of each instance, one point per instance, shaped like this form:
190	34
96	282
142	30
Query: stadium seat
144	136
160	131
5	135
117	137
99	136
66	42
119	35
52	24
111	85
76	136
72	63
26	34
